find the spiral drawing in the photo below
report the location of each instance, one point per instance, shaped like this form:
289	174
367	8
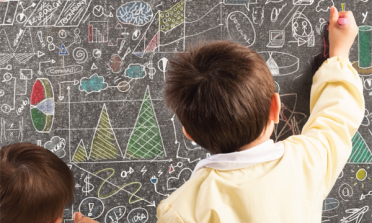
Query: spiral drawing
80	55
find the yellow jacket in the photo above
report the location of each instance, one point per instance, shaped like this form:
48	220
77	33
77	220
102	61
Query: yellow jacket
287	189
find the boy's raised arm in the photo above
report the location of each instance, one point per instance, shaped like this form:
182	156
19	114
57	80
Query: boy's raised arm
336	102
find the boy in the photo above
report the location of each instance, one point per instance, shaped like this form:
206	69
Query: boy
223	94
35	186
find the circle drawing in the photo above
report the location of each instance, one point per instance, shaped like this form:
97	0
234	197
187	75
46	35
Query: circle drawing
91	207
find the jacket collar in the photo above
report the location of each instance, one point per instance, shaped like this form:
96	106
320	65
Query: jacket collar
266	151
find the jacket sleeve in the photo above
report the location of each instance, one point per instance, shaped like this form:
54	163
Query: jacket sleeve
166	214
336	111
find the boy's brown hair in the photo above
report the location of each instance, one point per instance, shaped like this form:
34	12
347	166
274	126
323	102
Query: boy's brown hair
221	92
35	184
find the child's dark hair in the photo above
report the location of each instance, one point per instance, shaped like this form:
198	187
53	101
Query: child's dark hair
221	92
35	184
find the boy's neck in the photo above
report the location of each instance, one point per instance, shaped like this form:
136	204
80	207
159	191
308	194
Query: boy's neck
263	138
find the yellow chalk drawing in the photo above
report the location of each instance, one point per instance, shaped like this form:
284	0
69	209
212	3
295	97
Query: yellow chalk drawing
118	189
80	153
172	17
104	145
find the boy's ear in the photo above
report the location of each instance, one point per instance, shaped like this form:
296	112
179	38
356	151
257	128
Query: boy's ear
275	108
186	134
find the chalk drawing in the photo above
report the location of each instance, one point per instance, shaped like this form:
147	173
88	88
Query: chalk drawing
115	214
138	215
330	204
136	13
360	152
280	64
324	5
145	141
258	15
135	71
360	176
131	201
42	105
92	207
104	145
57	146
80	55
240	28
172	18
94	83
345	191
355	214
80	154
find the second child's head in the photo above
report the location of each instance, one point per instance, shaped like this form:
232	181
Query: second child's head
35	185
224	96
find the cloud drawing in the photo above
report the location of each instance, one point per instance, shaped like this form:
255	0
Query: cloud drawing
94	83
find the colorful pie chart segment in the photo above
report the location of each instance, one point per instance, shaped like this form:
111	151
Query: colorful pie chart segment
42	105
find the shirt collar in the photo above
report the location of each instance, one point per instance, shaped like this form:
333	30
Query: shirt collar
266	151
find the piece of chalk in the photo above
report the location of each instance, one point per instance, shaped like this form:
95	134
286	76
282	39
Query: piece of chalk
343	21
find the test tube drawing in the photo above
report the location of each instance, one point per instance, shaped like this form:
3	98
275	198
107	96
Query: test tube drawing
364	39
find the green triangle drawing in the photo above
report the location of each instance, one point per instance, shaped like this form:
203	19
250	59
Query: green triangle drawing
360	152
80	153
104	144
145	141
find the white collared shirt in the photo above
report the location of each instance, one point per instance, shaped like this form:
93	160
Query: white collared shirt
266	151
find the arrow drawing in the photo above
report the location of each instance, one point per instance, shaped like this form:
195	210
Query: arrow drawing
60	96
49	61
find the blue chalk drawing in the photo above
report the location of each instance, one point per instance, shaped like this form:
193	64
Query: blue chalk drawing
94	83
46	106
138	54
154	180
135	13
63	51
135	71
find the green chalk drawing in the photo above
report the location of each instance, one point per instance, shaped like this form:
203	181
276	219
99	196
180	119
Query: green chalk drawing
365	47
360	152
38	119
80	153
104	145
145	141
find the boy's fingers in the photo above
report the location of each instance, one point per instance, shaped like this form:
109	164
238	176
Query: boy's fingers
77	217
87	220
346	14
334	15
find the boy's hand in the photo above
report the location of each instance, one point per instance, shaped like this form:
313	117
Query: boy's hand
78	218
341	37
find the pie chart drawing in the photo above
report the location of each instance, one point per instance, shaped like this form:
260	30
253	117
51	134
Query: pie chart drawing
42	105
280	64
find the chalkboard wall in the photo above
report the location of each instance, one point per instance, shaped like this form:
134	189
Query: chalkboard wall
84	79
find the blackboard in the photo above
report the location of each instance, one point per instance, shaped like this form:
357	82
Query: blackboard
84	79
